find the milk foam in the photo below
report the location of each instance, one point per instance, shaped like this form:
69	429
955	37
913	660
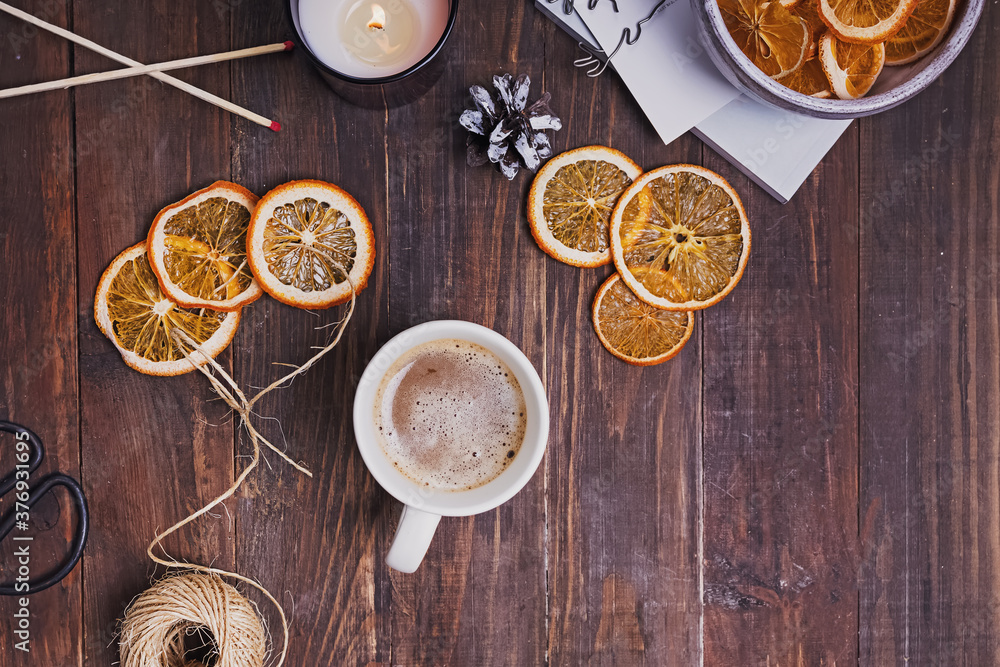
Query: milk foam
450	415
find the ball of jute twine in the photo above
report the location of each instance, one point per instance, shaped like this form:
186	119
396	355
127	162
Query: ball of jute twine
158	624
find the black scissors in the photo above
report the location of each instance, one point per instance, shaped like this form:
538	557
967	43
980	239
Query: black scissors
25	465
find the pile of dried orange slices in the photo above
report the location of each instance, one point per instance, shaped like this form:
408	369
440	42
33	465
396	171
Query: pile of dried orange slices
306	243
836	48
678	236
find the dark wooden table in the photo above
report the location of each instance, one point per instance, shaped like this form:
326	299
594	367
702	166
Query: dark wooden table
813	481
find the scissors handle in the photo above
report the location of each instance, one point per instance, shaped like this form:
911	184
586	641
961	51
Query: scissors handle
37	451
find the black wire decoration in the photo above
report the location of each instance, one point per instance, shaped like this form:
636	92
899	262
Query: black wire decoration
593	60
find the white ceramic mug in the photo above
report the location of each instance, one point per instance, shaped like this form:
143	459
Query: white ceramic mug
423	508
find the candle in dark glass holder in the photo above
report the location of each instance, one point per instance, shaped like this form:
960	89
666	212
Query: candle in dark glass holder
375	53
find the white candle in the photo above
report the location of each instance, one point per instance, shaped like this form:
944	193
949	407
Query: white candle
368	39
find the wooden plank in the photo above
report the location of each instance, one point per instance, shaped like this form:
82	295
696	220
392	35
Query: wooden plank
318	544
461	250
930	381
780	431
155	449
38	344
623	465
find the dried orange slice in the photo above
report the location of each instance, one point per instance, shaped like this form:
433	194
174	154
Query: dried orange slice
197	248
808	11
924	30
571	200
851	69
691	230
773	38
132	311
865	21
809	79
306	239
635	331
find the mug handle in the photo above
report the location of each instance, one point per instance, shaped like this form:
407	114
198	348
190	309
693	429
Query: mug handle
413	536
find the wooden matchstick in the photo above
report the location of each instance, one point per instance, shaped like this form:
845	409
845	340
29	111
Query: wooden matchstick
165	78
145	69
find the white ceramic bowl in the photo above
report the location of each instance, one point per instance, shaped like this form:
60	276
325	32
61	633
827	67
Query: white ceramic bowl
894	86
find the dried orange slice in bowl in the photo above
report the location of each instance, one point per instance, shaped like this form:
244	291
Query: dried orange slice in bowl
851	69
808	11
923	31
571	199
680	237
809	79
309	242
635	331
773	38
197	248
865	21
142	322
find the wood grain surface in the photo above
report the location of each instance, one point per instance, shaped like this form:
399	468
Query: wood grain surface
625	454
813	481
929	382
780	432
39	382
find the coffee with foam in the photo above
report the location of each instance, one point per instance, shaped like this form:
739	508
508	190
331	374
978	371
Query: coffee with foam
450	415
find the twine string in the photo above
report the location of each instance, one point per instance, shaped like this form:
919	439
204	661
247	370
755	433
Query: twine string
235	398
186	605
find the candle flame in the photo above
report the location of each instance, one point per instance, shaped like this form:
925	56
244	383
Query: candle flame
378	18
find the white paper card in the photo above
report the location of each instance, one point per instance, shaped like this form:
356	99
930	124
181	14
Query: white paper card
777	149
667	70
